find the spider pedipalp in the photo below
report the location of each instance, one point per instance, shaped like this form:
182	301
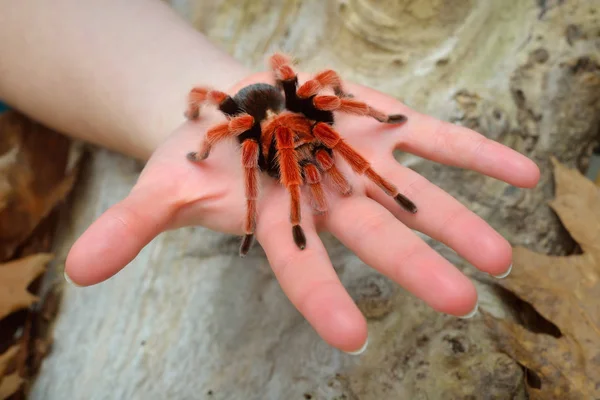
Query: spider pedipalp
287	130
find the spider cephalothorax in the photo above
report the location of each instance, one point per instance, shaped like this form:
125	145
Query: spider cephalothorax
287	131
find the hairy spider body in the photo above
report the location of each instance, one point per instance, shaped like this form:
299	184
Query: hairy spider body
255	100
287	131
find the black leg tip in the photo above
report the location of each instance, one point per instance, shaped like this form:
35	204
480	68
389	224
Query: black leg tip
347	193
299	237
246	244
195	157
191	116
405	203
397	119
340	93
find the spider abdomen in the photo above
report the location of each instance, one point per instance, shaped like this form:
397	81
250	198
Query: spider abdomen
258	98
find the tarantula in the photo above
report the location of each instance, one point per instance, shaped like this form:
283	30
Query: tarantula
287	131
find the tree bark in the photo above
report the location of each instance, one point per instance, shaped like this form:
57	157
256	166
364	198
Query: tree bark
189	320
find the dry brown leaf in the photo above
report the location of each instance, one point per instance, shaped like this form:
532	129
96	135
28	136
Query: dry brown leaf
34	177
38	167
6	358
565	291
9	385
15	276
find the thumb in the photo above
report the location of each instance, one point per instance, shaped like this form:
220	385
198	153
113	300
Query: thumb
116	238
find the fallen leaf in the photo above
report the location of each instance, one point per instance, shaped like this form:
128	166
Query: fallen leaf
6	358
41	348
9	385
38	167
35	175
15	276
565	291
41	328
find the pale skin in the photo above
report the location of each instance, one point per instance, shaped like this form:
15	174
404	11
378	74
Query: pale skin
116	74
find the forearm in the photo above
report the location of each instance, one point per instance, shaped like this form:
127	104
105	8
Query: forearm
115	73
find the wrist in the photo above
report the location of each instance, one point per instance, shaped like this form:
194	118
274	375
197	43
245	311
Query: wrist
219	75
209	115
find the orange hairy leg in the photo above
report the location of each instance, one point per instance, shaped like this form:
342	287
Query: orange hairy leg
327	165
250	152
351	106
291	179
359	164
322	80
295	122
281	65
312	176
231	128
200	95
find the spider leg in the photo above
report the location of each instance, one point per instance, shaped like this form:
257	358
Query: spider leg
291	179
351	106
287	79
327	165
330	138
233	127
250	152
201	95
281	65
322	80
312	176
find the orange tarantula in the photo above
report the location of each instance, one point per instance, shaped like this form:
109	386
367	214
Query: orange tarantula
287	131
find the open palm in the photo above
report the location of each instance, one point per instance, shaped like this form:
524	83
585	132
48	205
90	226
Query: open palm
173	192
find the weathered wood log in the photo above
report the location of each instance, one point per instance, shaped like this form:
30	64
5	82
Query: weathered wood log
189	320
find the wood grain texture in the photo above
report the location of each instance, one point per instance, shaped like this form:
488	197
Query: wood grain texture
189	320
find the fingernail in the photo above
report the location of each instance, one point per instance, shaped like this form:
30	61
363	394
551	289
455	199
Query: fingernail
361	350
504	275
69	281
472	313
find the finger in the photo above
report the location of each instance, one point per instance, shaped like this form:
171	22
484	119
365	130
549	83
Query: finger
443	218
454	145
384	243
310	282
461	147
116	238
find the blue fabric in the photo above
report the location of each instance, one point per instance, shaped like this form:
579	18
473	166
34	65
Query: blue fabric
3	107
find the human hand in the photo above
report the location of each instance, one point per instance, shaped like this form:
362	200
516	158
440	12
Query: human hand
172	192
